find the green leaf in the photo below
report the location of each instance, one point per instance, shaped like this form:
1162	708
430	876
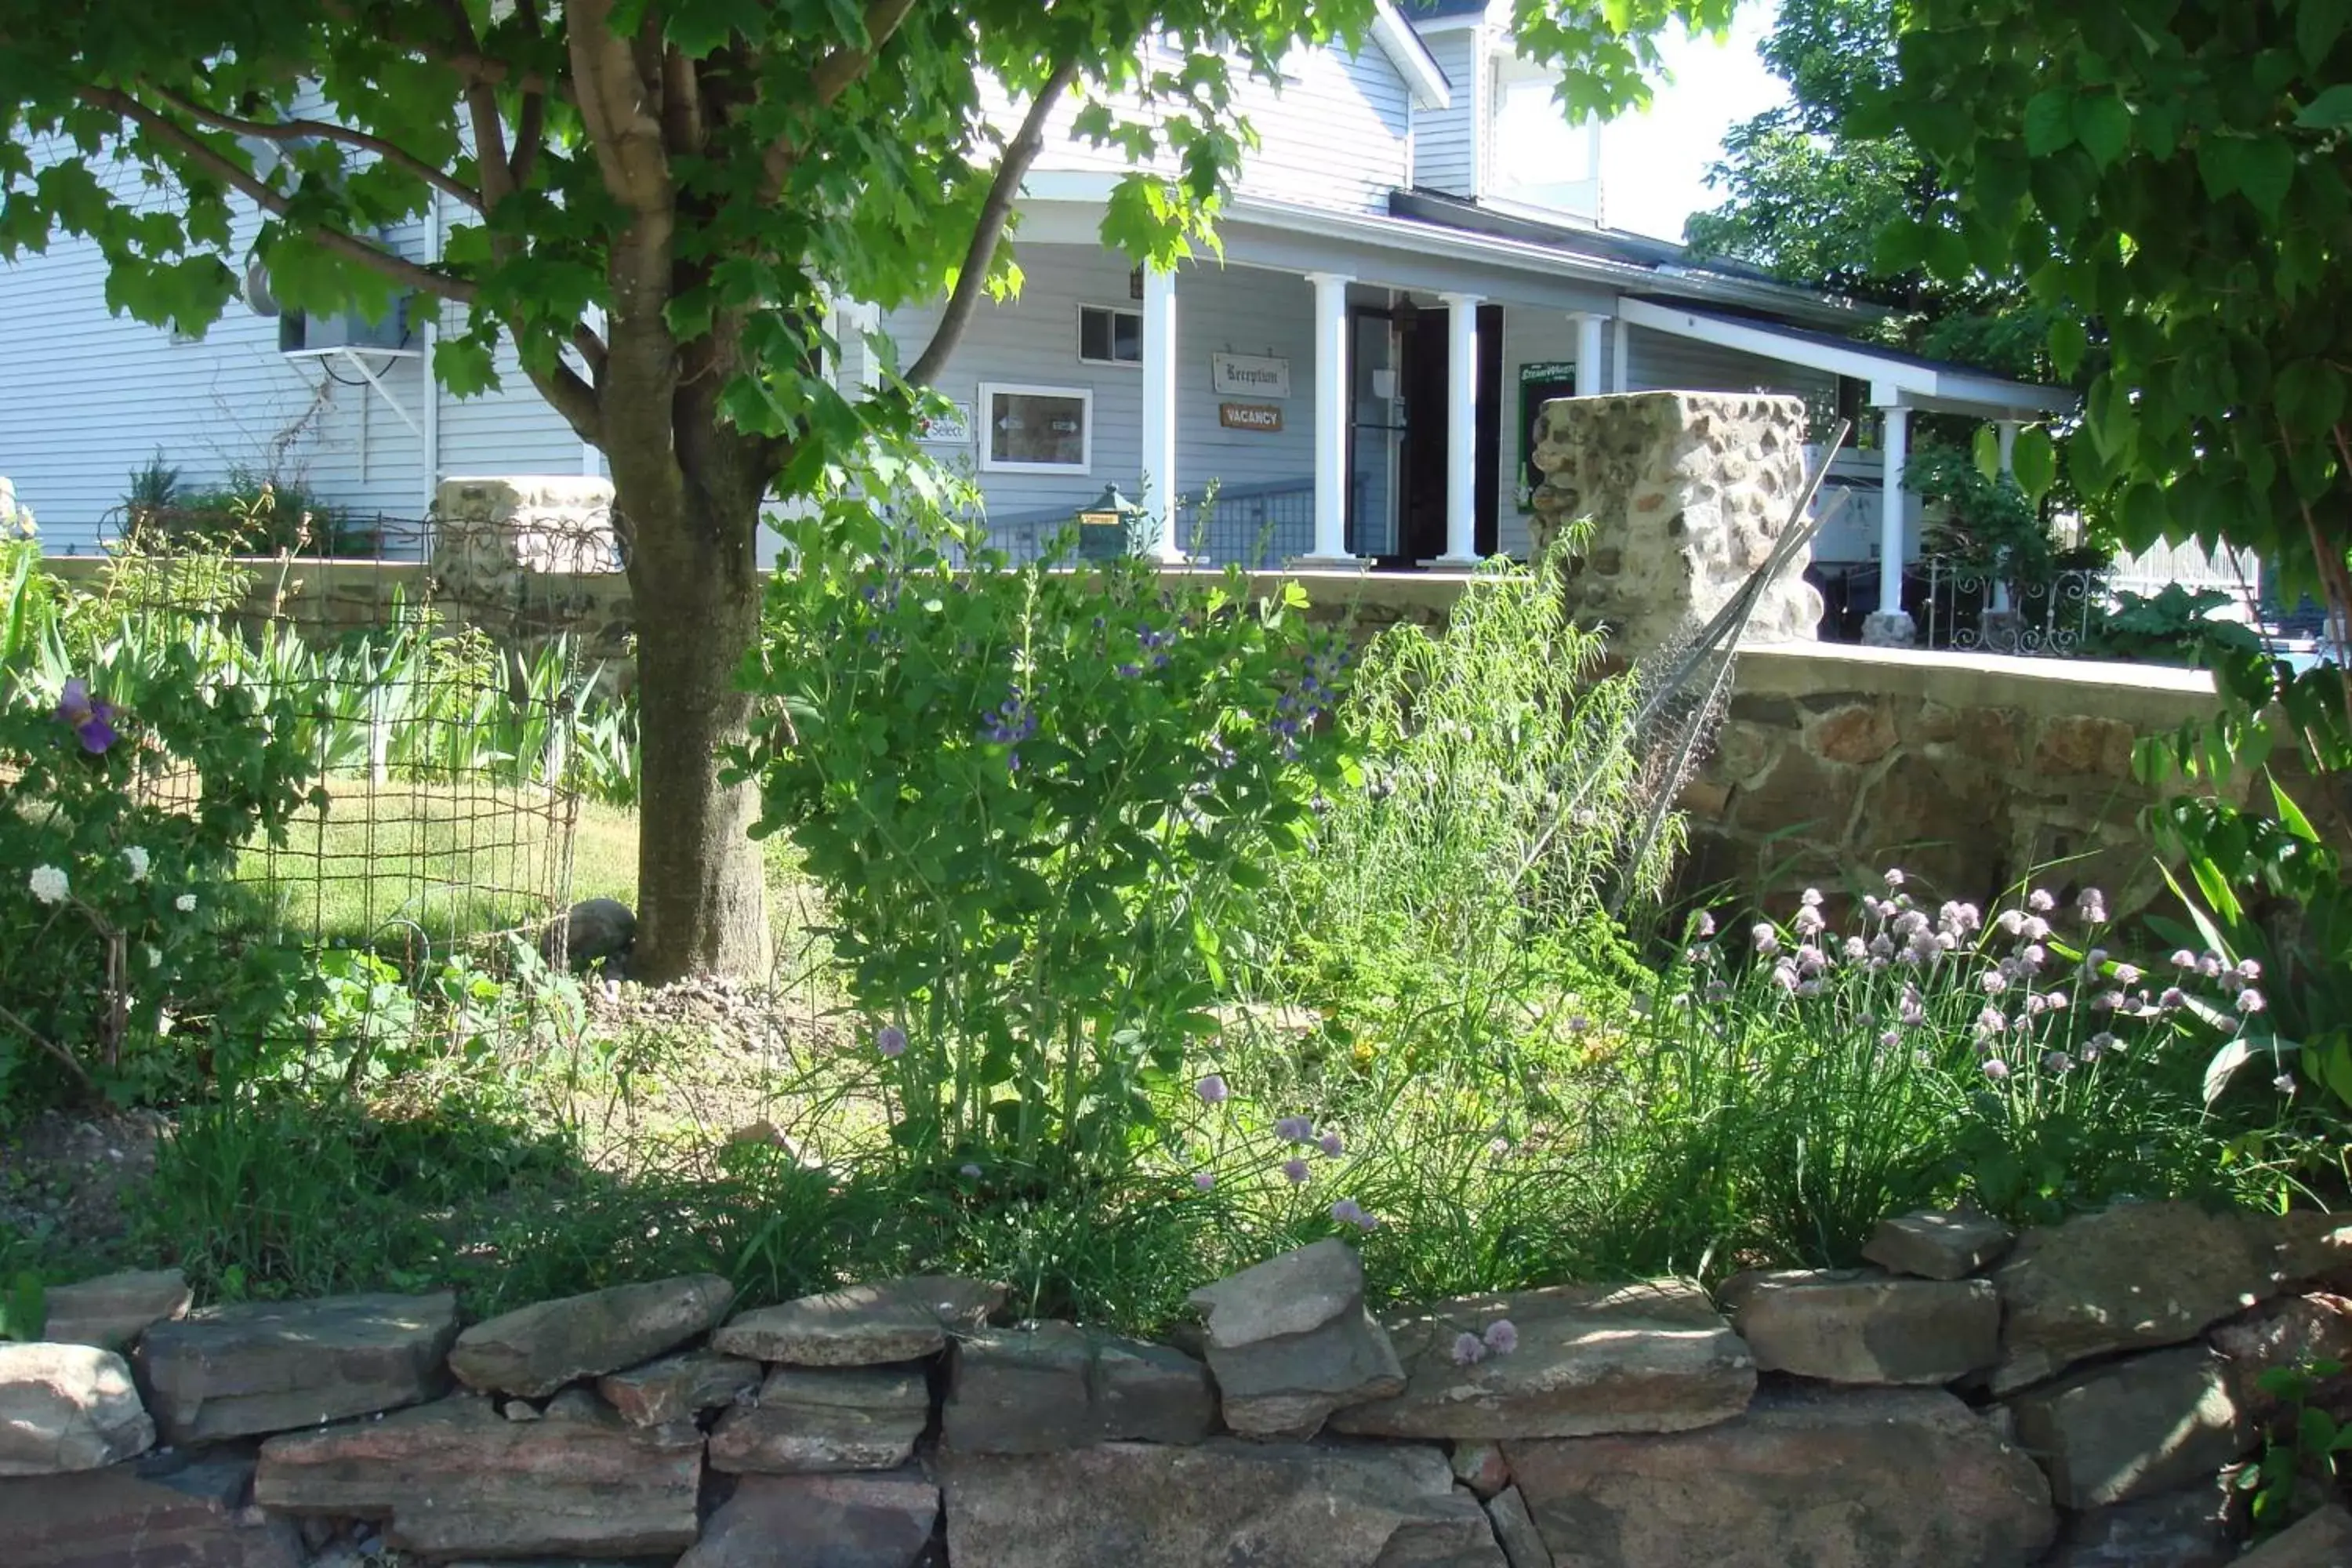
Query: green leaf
2317	25
2310	395
2332	109
2049	121
2035	462
2068	343
1985	447
2103	126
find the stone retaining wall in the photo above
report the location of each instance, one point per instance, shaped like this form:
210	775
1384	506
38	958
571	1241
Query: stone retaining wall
1973	1398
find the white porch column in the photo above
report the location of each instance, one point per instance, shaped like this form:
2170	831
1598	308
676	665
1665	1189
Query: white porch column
1330	421
2007	432
1891	627
1620	378
1158	478
1461	431
1589	354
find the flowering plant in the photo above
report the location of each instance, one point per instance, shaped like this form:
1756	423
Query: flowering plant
132	782
1032	796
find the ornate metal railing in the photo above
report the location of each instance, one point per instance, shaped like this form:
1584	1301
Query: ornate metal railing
1974	609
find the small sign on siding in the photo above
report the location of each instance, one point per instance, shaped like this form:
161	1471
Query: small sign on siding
952	428
1265	416
1249	376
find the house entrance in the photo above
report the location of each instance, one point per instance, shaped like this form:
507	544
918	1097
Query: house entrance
1398	439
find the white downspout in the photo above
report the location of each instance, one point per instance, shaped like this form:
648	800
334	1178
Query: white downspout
430	437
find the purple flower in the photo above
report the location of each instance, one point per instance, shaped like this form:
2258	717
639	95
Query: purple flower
91	718
1894	877
1203	1179
1578	1024
1329	1143
1768	941
1995	1068
2183	959
1502	1336
2251	1001
1129	671
1469	1350
2093	959
2125	973
2056	1061
1702	925
2249	969
1212	1090
2008	921
2173	999
890	1040
1294	1129
1295	1172
1347	1211
1993	981
2041	902
1890	1039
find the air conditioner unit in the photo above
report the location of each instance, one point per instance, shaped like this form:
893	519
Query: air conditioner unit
297	332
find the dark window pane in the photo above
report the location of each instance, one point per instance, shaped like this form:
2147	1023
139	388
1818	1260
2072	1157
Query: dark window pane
1029	428
1094	334
1127	337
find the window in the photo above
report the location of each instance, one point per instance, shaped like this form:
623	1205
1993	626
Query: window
1107	336
1036	429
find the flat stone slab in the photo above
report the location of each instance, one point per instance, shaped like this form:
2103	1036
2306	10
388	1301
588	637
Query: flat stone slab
1148	1505
2133	1277
538	1349
865	1325
113	1311
1865	1327
1652	1357
454	1477
1854	1478
1515	1530
2323	1540
67	1407
158	1513
274	1366
883	1520
679	1387
1289	1341
812	1419
1043	1386
2128	1428
2190	1528
1938	1244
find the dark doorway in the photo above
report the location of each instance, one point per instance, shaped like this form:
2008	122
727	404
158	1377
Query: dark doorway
1422	379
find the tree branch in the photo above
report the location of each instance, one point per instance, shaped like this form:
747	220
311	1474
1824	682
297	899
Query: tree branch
293	130
994	213
192	147
831	77
574	399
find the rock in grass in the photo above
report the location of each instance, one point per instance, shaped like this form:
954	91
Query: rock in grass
67	1407
1051	1386
865	1325
679	1387
825	1522
1654	1357
272	1366
1862	1326
812	1419
1932	1244
2323	1540
113	1311
538	1349
2128	1428
1149	1505
2133	1277
1289	1341
1856	1478
592	932
456	1478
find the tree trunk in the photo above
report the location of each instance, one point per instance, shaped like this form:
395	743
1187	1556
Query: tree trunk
701	895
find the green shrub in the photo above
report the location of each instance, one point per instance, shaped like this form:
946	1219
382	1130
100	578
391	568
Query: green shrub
1032	797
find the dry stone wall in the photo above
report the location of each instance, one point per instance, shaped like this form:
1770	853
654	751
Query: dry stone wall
2072	1397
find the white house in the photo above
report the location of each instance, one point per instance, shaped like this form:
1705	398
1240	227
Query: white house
1414	260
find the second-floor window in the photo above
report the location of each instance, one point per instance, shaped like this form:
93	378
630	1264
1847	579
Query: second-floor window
1109	336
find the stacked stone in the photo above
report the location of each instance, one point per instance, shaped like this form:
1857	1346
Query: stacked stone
2071	1398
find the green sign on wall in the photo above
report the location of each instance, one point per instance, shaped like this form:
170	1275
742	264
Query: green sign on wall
1540	381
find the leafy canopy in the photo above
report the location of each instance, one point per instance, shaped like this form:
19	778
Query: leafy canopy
2170	177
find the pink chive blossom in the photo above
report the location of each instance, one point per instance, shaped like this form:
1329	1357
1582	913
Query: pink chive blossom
1811	898
2210	967
1702	926
1329	1143
2033	928
2251	1001
2183	959
1890	1039
2034	955
2173	999
2041	902
1989	1022
2055	1001
1502	1336
1212	1089
2007	922
2107	1001
1294	1129
1204	1180
890	1040
2094	958
1784	976
1856	950
2249	969
1995	1068
2056	1061
2126	974
1810	922
1347	1211
1894	877
2092	905
1469	1350
1295	1172
1993	982
1768	941
2284	1083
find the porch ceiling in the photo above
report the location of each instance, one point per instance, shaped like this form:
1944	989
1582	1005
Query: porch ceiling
1897	380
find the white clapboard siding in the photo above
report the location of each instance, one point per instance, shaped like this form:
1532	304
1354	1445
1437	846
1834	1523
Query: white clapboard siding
1447	142
97	394
1034	340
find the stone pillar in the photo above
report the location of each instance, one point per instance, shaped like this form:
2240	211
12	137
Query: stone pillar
1330	422
1891	626
526	556
1159	477
1687	492
1461	431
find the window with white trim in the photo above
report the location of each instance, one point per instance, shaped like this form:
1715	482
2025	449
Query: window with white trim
1036	429
1107	335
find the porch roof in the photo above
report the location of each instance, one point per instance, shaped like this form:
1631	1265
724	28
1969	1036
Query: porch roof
1897	380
